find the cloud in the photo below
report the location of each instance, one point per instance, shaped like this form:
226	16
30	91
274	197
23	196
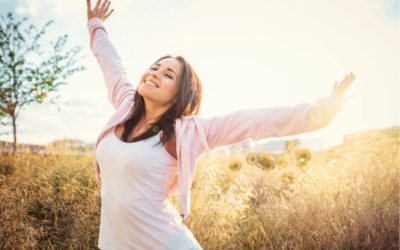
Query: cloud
390	12
61	7
30	9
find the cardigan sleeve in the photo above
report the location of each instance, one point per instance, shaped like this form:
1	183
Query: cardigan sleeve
263	123
115	76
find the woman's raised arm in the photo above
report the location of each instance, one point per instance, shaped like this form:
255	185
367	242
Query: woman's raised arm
117	84
263	123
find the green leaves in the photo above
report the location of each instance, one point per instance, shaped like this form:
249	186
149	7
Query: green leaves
21	84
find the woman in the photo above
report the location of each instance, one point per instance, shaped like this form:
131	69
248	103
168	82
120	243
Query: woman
155	136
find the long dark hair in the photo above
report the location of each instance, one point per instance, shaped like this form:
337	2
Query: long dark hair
188	100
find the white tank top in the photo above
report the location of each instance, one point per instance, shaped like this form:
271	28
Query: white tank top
135	211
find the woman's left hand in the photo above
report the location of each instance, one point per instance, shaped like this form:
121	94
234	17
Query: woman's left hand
99	11
339	89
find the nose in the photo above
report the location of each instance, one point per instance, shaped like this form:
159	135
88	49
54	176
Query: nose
153	74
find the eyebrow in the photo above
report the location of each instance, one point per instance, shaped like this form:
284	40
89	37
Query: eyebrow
167	68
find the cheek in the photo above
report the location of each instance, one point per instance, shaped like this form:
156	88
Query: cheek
171	87
168	92
145	75
176	87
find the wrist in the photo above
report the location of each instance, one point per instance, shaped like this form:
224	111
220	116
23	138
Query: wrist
337	94
95	18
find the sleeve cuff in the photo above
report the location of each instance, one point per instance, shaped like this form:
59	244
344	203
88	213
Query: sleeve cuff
94	21
333	104
93	24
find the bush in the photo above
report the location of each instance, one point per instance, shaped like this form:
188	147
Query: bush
251	158
288	177
303	157
265	161
235	165
281	161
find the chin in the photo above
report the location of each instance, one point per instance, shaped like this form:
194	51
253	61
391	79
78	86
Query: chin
144	93
141	92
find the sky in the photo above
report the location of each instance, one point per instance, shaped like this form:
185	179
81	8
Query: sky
248	54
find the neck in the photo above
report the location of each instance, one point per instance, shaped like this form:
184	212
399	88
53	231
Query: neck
152	113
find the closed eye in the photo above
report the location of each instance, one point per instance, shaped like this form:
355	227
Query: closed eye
165	74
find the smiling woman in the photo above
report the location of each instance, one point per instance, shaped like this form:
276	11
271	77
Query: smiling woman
135	212
168	90
155	136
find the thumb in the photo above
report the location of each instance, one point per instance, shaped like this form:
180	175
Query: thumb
89	5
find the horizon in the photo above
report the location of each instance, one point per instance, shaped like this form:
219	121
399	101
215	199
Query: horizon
253	143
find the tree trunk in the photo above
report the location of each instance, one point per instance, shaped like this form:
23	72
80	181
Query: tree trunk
15	96
15	135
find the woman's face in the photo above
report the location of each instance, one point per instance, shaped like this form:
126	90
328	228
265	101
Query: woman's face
159	84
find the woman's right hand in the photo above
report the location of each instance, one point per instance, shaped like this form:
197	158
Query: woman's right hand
99	11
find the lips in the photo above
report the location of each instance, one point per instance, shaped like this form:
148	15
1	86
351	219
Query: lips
150	83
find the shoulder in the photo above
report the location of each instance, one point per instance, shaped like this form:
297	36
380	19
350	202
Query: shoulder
189	120
186	124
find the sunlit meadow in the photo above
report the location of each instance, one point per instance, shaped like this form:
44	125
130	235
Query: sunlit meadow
344	198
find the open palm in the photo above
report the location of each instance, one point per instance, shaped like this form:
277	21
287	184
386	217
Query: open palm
339	89
100	10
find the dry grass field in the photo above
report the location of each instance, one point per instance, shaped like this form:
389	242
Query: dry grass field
344	198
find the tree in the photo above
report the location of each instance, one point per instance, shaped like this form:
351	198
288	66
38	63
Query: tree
3	115
22	83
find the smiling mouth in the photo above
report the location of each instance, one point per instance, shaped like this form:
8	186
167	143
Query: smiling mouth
150	84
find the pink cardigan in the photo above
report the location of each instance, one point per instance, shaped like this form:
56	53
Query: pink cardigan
194	135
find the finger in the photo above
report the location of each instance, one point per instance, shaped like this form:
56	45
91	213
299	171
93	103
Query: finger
334	86
108	6
344	79
351	76
349	80
109	14
98	4
89	5
103	5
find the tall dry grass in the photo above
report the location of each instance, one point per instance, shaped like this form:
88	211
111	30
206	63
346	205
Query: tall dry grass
345	198
48	201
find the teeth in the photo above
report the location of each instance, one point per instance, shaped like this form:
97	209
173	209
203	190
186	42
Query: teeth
151	84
